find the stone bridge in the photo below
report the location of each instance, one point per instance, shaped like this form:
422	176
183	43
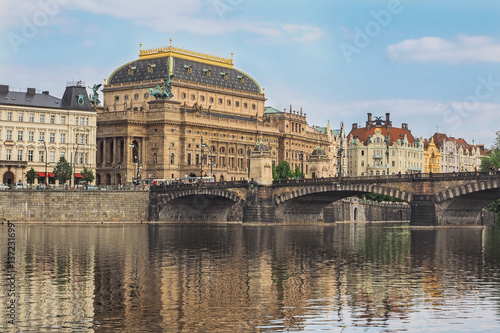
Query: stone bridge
434	199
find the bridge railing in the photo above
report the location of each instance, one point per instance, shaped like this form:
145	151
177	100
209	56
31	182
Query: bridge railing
389	178
220	184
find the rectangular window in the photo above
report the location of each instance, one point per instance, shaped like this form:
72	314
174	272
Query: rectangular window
32	117
189	159
9	135
31	136
41	137
82	121
172	158
41	156
52	156
42	118
63	137
76	121
87	121
19	135
20	155
62	154
8	154
52	119
21	116
30	155
197	159
52	137
80	158
63	120
80	141
9	116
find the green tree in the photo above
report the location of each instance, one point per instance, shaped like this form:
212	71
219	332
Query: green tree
62	171
298	173
87	175
275	175
490	161
31	176
493	161
283	171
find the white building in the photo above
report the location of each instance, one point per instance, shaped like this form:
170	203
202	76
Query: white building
36	129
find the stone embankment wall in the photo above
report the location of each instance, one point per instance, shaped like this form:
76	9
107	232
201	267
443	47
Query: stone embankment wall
364	210
74	206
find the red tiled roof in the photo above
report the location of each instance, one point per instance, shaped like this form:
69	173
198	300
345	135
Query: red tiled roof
395	133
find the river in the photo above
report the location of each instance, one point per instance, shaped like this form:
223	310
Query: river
346	277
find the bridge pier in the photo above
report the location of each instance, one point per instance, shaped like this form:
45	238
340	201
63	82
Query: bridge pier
259	206
423	211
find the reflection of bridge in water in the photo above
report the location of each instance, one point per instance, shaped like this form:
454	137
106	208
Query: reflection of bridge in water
435	199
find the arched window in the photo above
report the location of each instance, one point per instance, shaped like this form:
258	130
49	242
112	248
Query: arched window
222	150
240	151
231	150
172	158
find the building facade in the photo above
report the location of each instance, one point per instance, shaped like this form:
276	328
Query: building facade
457	155
209	126
36	129
432	157
381	149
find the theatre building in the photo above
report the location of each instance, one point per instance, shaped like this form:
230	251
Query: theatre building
36	129
209	126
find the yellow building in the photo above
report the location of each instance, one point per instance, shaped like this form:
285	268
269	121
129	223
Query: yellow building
214	119
432	157
36	129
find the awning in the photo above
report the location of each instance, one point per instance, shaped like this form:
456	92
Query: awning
78	175
42	174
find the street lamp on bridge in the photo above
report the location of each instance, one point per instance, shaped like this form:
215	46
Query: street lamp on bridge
45	158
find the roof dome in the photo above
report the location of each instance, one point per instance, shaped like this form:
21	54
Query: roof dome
261	147
318	152
158	63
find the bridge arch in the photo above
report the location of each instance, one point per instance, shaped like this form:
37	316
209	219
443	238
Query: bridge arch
197	204
464	204
306	204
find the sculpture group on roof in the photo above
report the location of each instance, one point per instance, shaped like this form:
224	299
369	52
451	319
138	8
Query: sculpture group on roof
164	91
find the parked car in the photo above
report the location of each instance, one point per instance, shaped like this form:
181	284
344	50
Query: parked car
3	186
21	186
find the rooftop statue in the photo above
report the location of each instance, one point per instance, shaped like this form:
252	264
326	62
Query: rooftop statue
94	98
164	91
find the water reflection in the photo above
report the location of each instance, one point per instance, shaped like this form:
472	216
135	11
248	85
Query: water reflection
234	278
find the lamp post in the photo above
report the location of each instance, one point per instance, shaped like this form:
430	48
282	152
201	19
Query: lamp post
73	167
204	145
45	147
301	158
249	151
135	159
202	157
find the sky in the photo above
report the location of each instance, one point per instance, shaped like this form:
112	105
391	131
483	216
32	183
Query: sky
434	65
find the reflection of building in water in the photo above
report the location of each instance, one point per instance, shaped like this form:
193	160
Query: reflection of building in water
54	280
127	293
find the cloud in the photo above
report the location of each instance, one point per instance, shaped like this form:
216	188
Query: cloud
466	49
205	18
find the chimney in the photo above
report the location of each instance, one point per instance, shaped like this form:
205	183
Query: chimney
369	121
388	123
354	126
31	91
404	126
4	88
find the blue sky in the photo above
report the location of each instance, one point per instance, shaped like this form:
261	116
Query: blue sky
432	64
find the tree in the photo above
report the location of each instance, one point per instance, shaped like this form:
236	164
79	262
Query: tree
63	170
487	163
87	175
490	161
31	176
298	173
283	171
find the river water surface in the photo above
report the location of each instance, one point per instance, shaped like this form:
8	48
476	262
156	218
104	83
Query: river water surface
235	278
